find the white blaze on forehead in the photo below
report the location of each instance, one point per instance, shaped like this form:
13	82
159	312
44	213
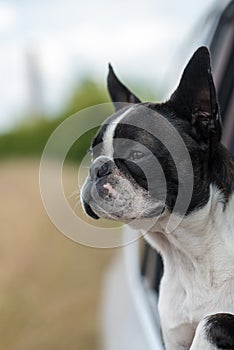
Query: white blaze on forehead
109	134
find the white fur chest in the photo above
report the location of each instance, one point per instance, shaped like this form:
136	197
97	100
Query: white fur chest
187	298
198	260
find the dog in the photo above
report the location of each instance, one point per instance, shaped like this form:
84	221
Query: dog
144	156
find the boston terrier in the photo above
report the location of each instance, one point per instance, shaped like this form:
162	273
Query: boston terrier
145	156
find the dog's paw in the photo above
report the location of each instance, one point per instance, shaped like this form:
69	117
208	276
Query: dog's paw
215	332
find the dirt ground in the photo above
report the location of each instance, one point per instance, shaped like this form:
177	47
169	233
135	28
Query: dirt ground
49	286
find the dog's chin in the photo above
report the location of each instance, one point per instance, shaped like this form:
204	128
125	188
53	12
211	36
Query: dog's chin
95	211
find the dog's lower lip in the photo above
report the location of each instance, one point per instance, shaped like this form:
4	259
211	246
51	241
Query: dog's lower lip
90	211
101	212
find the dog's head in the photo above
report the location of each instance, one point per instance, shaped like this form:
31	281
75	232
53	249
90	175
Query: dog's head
133	173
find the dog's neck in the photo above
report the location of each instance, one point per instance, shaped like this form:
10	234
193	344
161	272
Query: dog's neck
203	242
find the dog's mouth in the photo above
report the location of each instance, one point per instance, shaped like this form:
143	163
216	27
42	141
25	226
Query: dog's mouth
100	199
90	211
105	202
117	199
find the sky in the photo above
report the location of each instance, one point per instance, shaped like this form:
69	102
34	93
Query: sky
72	39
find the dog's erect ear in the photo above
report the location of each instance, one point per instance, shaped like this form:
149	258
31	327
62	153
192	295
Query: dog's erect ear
195	98
118	92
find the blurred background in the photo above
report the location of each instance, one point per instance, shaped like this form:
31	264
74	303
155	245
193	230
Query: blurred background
53	63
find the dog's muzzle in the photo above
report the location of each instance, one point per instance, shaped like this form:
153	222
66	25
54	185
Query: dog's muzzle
98	186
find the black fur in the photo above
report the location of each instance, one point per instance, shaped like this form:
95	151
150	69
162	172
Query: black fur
119	92
220	331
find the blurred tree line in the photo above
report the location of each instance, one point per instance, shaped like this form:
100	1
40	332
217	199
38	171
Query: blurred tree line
31	136
29	139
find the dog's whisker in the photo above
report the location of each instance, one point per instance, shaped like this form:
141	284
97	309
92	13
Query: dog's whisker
77	204
74	193
75	208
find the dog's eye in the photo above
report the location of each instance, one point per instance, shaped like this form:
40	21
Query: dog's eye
135	155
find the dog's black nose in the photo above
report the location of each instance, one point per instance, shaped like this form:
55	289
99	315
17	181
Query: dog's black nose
101	167
104	169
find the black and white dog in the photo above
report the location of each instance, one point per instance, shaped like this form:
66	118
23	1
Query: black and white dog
134	177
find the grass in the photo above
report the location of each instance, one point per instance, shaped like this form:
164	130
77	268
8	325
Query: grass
49	286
